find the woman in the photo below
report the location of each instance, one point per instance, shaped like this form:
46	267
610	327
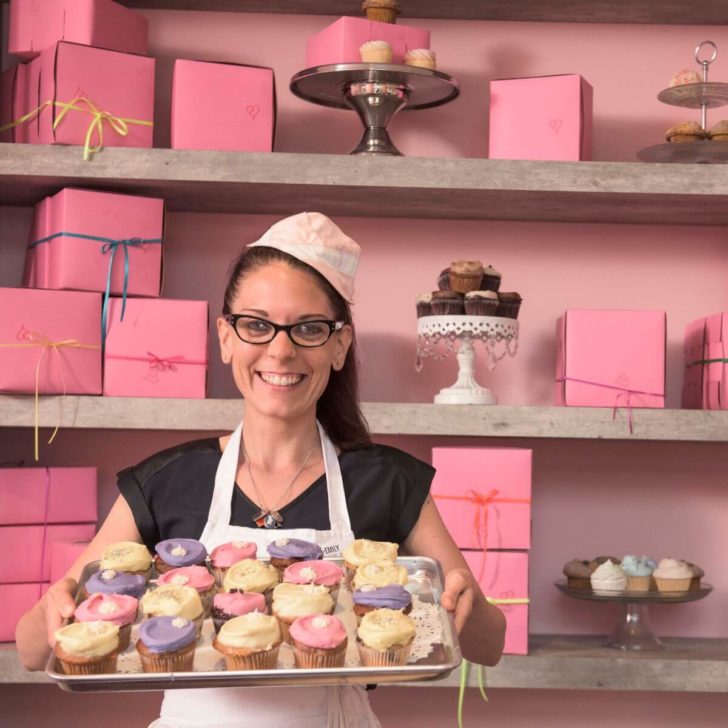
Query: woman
302	466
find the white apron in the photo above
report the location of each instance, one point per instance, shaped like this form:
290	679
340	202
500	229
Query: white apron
303	707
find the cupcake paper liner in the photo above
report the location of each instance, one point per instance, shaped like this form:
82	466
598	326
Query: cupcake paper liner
312	657
124	636
638	583
262	660
464	282
178	661
395	656
673	585
91	666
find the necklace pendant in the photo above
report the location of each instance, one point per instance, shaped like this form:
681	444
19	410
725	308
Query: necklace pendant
270	521
277	516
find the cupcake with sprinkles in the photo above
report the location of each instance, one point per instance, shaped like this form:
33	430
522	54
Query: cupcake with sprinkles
128	556
172	553
286	551
167	644
87	648
170	600
252	576
227	554
384	638
362	550
198	577
291	601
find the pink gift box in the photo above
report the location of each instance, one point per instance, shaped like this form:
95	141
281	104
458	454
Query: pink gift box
223	106
12	92
706	356
611	358
63	556
22	549
484	495
547	117
504	575
37	24
71	495
340	41
158	350
17	599
67	259
694	392
33	319
121	84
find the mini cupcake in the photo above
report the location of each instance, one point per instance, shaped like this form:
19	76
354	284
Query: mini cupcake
381	11
291	601
376	51
491	279
639	572
175	552
608	578
167	644
380	573
119	609
318	640
169	600
198	577
481	303
362	550
228	605
129	556
466	275
286	551
249	642
250	575
718	132
443	280
110	581
578	573
698	574
384	638
87	648
424	304
672	575
447	303
687	131
421	58
227	554
371	597
508	305
685	76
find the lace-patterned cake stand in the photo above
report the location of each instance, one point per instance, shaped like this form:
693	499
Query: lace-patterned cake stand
440	336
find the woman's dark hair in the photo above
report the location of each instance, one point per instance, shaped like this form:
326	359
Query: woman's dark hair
338	408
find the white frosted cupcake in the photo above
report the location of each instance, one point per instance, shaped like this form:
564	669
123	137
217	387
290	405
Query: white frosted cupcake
376	51
127	556
421	57
672	575
608	578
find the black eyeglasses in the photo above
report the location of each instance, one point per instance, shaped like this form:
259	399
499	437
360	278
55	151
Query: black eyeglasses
254	330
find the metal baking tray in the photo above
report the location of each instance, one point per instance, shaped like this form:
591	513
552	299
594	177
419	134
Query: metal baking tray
425	583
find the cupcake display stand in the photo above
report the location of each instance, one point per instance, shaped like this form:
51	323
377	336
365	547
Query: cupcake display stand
705	95
376	91
440	336
633	630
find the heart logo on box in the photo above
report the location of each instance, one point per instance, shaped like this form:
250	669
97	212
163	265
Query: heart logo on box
555	125
252	110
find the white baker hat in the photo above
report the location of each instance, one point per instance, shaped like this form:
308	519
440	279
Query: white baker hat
317	241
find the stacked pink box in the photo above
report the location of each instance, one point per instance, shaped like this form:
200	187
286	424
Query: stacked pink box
41	509
484	497
706	355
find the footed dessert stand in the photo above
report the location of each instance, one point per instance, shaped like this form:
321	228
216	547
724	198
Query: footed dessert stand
633	630
440	336
376	91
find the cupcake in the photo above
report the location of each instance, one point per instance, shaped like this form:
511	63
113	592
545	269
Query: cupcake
578	573
685	76
688	131
508	305
169	600
175	552
226	554
376	51
698	574
198	577
384	638
421	57
286	551
250	575
481	303
110	581
718	132
291	601
608	578
227	605
599	560
167	644
318	640
319	573
423	303
382	11
129	556
491	279
639	572
447	303
119	609
249	642
466	275
443	280
363	549
380	573
87	648
672	575
370	597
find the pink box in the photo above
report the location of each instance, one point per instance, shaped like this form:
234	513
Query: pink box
71	495
12	91
63	556
68	261
145	354
340	41
243	98
706	355
611	358
121	84
17	599
465	477
547	117
694	391
22	549
505	576
33	318
37	24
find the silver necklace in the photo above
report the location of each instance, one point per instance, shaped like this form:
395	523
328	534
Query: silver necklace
270	517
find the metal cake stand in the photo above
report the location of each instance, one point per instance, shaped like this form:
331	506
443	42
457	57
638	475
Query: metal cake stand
633	630
376	91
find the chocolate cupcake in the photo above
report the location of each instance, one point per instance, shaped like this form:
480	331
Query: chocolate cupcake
508	305
466	275
491	279
481	303
424	304
447	303
578	573
443	280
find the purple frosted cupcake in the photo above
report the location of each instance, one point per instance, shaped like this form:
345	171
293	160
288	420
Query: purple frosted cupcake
447	303
370	597
227	605
109	581
286	551
176	552
167	644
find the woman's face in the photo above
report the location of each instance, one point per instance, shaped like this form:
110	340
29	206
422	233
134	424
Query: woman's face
280	379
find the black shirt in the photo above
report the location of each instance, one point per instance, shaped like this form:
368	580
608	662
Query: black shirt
169	493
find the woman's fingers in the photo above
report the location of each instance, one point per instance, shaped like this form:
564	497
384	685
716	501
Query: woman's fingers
59	606
458	595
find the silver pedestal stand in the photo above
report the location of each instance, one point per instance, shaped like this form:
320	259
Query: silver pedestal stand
437	337
376	91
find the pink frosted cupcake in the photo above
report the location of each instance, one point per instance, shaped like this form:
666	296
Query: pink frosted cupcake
227	554
320	573
225	606
318	640
198	577
119	609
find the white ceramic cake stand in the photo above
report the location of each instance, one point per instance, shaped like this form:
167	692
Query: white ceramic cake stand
440	336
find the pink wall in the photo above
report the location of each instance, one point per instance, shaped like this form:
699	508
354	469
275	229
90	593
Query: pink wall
589	497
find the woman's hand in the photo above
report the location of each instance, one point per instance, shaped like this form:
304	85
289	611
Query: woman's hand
458	595
59	605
